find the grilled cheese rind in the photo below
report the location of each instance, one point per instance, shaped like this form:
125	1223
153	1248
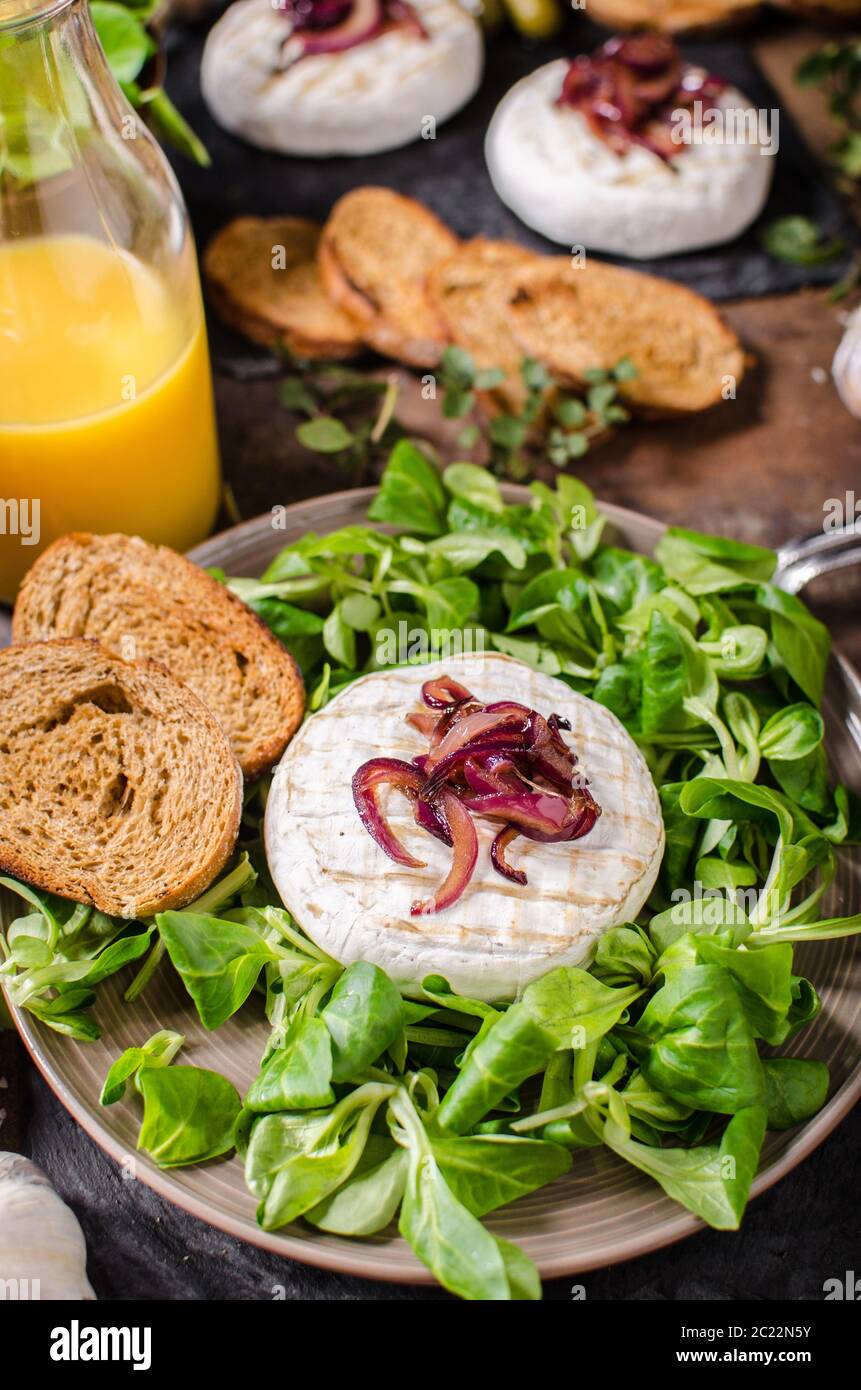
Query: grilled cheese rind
354	901
376	96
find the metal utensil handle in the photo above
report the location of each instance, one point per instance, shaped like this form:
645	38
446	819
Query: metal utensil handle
801	561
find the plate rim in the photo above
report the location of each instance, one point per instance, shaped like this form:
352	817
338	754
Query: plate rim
347	1258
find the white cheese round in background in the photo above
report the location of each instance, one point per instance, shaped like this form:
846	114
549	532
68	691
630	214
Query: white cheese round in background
362	100
562	179
354	901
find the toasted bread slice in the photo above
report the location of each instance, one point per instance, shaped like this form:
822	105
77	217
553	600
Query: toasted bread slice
671	16
263	280
146	602
469	291
375	255
118	787
577	319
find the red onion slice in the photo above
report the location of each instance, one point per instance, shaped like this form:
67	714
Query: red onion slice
644	52
449	717
498	859
422	720
313	14
483	760
620	104
363	21
654	91
543	816
386	772
443	691
580	82
429	815
464	857
507	707
440	772
493	772
551	756
628	90
478	727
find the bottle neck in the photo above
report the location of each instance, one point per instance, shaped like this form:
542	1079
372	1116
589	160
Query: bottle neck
22	14
57	97
74	156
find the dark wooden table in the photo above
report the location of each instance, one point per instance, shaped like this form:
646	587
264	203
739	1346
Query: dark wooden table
761	468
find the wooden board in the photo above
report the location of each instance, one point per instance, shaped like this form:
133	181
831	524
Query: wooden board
760	468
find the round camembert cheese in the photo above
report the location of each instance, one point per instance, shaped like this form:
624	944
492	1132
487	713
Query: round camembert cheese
362	100
562	179
354	901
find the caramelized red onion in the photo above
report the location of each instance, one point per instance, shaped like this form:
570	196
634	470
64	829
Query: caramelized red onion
464	842
444	692
501	760
648	53
630	89
483	727
497	855
543	816
423	720
386	772
332	26
314	14
492	772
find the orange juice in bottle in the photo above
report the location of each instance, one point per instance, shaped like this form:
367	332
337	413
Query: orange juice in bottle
106	415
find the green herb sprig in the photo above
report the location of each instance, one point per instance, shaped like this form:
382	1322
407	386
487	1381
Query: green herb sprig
348	414
551	423
798	241
836	69
572	425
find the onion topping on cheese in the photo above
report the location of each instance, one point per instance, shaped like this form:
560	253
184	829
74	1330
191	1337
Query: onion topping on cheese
630	89
501	760
332	26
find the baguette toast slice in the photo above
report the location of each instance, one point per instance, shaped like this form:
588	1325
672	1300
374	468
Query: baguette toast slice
469	291
376	252
146	602
575	319
263	280
118	787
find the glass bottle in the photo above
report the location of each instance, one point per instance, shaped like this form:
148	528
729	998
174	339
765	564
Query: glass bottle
106	412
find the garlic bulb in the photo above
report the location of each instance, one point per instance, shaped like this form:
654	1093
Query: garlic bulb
846	367
42	1250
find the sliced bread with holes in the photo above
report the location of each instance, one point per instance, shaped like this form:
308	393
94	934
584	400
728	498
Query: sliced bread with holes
577	319
376	252
142	602
118	787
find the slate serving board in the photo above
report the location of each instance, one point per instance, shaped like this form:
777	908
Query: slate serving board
449	173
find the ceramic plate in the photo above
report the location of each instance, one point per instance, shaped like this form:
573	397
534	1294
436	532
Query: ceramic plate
603	1210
